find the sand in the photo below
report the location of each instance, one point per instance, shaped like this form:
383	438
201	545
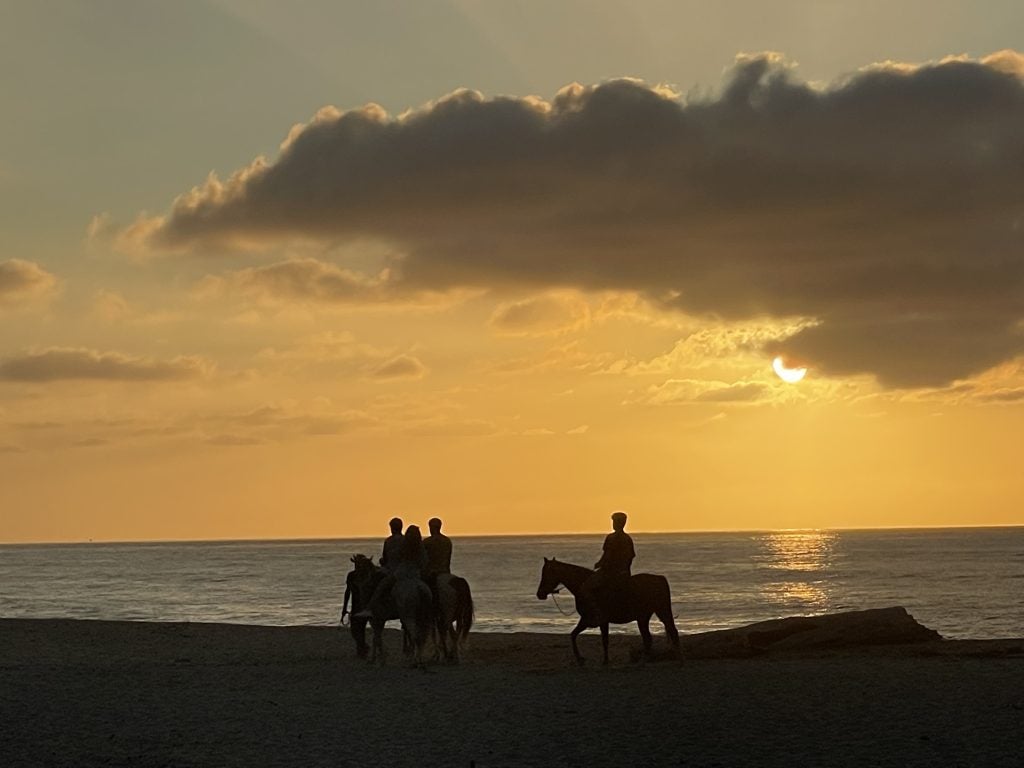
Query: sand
84	693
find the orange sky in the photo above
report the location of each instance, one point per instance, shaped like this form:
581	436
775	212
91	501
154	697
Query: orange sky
516	314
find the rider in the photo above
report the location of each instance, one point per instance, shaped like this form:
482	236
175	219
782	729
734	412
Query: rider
439	555
392	544
389	561
616	560
411	562
439	551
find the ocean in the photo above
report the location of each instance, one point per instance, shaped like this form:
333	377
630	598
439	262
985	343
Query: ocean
963	582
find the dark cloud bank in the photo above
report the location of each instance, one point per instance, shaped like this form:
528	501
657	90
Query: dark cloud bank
59	364
887	205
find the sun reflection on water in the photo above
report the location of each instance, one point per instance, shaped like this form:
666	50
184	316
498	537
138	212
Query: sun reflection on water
797	568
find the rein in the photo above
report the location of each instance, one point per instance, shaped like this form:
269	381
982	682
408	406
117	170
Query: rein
554	598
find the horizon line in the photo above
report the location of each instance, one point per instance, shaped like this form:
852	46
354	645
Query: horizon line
371	537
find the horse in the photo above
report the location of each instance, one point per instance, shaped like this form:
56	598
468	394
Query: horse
415	608
454	613
643	595
361	583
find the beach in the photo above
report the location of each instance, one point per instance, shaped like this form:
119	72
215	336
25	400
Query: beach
89	693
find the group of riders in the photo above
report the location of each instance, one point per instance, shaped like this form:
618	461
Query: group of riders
413	582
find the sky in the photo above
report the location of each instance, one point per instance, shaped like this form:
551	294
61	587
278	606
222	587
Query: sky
287	270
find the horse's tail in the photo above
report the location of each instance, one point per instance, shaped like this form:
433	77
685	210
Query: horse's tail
664	613
464	613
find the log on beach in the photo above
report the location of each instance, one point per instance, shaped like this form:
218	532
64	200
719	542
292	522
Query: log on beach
86	693
851	629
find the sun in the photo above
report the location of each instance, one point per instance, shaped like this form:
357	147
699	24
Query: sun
789	375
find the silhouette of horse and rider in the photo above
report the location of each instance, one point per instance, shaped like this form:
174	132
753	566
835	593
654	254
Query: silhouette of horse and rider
611	594
414	584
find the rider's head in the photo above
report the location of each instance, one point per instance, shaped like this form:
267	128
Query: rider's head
395	523
618	520
413	538
434	524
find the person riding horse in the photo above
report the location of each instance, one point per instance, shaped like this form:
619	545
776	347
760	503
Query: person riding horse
404	557
392	544
614	568
389	559
439	555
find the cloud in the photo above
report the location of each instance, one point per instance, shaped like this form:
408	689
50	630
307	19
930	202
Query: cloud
689	391
711	344
113	308
61	364
328	351
442	427
313	281
884	206
401	367
229	440
740	392
23	281
289	420
544	315
340	353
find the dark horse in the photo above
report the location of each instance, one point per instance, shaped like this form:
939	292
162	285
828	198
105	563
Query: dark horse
454	603
644	595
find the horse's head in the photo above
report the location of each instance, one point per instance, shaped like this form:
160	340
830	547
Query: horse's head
549	579
362	564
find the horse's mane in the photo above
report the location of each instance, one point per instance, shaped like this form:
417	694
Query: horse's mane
582	569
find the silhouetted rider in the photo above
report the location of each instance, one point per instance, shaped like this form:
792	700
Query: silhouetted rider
390	557
618	552
392	544
439	556
613	569
439	550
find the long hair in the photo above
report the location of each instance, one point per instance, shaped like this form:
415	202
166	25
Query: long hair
412	544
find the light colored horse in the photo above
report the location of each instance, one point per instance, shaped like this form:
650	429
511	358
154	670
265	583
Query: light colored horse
454	614
415	608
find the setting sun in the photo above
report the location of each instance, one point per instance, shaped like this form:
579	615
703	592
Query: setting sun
789	375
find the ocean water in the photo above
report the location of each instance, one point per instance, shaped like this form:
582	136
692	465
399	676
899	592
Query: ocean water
966	583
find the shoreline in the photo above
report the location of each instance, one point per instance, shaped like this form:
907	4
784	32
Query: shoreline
91	692
50	640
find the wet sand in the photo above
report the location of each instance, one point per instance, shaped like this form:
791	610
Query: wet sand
84	693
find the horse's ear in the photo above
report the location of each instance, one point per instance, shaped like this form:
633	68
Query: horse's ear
546	560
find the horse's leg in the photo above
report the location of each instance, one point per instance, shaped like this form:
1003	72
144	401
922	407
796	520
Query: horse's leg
665	615
441	633
358	629
644	624
604	641
580	626
378	642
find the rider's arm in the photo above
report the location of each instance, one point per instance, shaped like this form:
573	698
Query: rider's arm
344	605
604	553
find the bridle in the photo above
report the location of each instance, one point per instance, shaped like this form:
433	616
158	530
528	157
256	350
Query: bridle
554	598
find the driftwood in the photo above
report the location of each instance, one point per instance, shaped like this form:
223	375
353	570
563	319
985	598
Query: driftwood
878	626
